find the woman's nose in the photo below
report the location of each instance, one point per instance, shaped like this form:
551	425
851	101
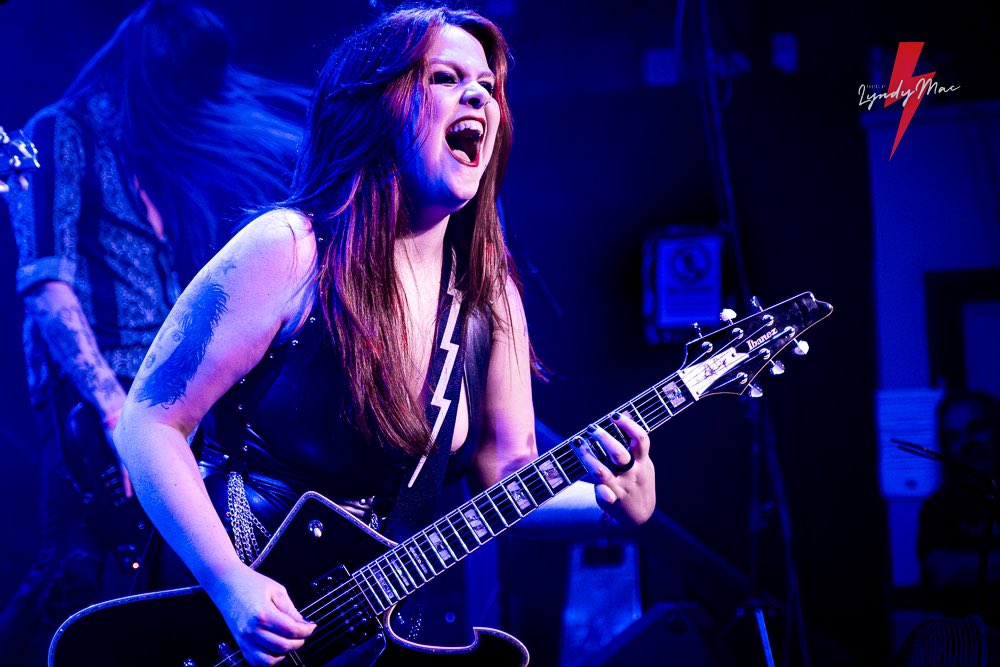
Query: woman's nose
475	96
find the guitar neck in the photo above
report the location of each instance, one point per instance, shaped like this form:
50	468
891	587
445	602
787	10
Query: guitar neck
429	552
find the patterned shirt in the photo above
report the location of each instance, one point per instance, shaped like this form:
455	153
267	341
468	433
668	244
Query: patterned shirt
81	222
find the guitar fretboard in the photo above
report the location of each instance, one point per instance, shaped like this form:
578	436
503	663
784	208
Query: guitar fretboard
429	552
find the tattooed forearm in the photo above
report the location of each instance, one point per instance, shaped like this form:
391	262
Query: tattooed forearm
73	347
193	332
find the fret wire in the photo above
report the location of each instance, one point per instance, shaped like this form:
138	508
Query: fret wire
539	481
671	415
482	518
380	587
653	411
503	487
656	390
388	582
430	562
378	603
420	570
501	499
471	529
471	543
452	526
362	571
561	471
402	554
499	513
572	461
433	547
638	415
527	491
360	588
544	483
398	565
485	511
437	528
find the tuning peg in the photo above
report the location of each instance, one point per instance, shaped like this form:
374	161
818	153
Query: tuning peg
801	348
727	315
697	329
756	391
755	302
777	368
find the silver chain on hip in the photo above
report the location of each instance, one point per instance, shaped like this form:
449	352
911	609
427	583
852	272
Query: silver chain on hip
243	520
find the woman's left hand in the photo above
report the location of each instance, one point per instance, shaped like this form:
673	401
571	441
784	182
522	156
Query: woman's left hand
625	491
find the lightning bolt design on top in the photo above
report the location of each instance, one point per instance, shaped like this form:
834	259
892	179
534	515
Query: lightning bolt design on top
904	84
451	349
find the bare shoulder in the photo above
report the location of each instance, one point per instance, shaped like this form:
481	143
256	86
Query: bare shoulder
509	309
278	228
279	245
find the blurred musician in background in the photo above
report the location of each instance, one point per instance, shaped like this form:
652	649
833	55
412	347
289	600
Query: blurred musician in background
158	140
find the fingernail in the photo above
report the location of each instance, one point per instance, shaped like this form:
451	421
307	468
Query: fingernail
592	428
577	441
616	416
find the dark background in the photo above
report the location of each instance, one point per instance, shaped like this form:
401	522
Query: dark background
602	159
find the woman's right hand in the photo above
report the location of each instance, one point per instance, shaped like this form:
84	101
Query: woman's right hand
261	616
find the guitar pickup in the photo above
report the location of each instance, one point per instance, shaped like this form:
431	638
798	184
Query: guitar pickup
330	580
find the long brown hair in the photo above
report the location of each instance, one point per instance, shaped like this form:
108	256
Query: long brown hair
348	181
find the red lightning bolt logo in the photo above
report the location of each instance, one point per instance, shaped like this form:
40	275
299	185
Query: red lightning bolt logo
904	84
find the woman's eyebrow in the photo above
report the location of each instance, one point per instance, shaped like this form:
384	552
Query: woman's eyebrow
457	67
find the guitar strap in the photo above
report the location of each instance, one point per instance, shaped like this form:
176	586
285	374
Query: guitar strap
418	491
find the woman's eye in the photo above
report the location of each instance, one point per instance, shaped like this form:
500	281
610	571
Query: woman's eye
443	77
489	86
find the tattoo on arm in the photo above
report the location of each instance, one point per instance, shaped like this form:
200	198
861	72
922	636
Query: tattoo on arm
168	381
73	346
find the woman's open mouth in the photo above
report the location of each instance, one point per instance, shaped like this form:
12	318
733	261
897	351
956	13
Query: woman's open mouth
464	138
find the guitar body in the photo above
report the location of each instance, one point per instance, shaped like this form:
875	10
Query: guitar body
317	540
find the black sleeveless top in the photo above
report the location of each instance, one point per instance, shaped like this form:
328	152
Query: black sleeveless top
285	429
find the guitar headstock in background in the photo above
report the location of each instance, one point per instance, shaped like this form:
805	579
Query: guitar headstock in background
17	156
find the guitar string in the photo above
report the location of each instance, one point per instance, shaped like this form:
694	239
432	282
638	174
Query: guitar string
652	412
492	516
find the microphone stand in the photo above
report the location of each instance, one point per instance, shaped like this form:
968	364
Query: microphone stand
989	486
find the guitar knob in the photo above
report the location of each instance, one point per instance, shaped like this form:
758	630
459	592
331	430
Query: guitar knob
727	315
777	368
801	348
756	391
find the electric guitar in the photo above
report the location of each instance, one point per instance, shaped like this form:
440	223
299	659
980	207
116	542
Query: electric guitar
350	580
16	157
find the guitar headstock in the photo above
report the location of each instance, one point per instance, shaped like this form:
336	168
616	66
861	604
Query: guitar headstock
17	156
727	360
